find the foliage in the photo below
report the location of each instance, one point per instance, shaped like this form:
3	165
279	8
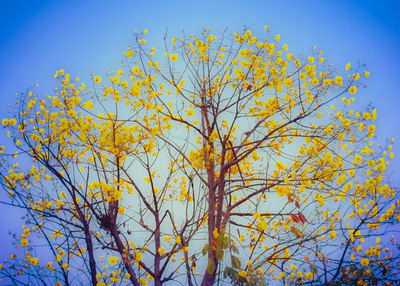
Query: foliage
225	159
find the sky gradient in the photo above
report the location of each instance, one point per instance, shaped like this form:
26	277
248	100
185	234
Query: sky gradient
39	37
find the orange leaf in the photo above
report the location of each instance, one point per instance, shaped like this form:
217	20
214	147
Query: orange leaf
213	244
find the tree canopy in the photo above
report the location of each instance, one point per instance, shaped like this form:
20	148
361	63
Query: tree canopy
216	158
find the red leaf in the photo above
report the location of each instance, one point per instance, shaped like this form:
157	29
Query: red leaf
297	204
302	218
295	218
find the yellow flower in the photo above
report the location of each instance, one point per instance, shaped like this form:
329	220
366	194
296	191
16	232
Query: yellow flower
88	104
338	80
348	66
280	166
138	257
178	240
174	57
34	261
189	112
4	122
353	89
160	250
285	47
277	37
97	79
309	275
257	215
112	260
24	242
366	74
364	262
145	31
234	198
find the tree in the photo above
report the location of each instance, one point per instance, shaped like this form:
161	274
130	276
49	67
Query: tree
378	266
228	159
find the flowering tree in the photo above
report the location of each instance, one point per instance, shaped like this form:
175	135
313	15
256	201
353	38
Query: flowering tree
379	265
228	159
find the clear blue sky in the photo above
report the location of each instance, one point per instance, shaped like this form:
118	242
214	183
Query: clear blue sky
38	37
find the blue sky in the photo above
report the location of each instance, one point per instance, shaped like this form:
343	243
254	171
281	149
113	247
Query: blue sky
39	37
